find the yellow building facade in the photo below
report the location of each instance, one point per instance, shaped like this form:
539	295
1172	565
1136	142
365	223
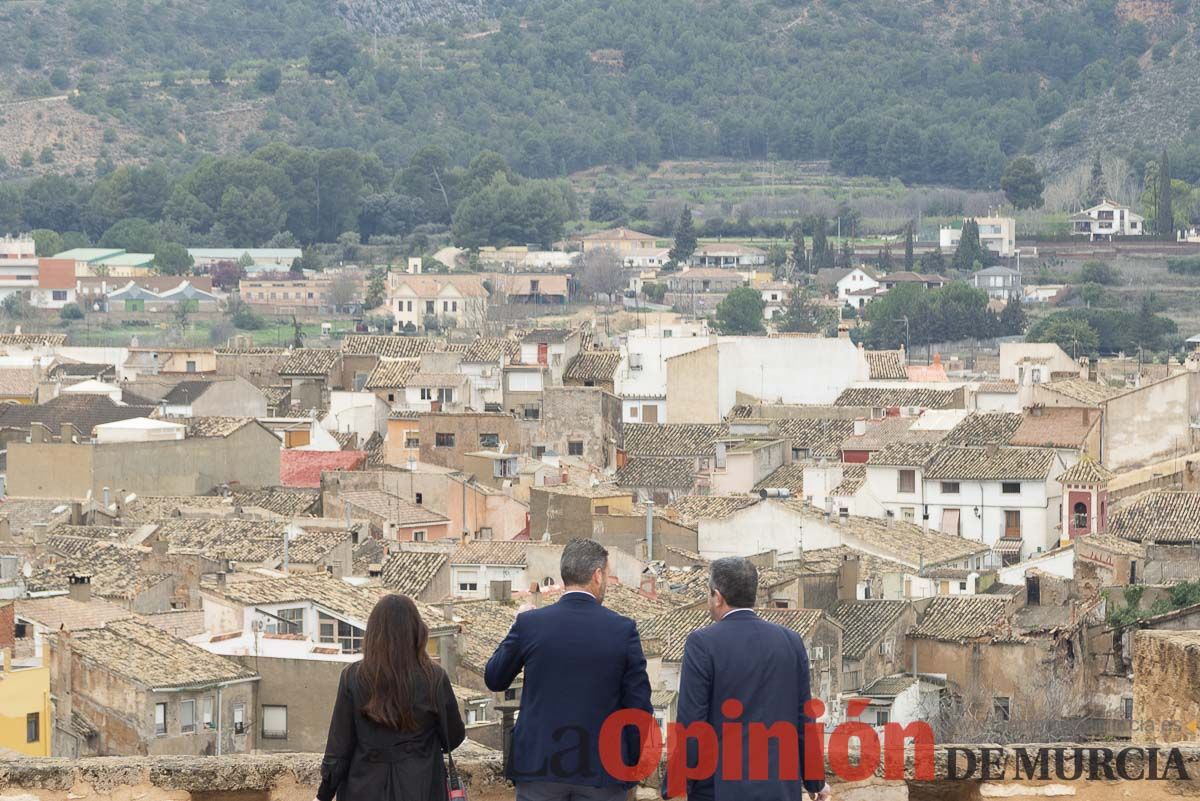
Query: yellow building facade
25	709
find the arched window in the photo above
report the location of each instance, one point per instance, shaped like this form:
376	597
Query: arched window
1081	515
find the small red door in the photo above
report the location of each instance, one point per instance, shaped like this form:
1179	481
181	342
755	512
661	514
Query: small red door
543	353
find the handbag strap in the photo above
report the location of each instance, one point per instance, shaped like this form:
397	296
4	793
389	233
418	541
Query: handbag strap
444	736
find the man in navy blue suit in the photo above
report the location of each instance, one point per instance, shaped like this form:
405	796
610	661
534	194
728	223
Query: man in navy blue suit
758	672
582	663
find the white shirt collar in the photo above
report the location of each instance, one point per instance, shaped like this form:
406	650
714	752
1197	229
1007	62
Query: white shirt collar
735	611
578	592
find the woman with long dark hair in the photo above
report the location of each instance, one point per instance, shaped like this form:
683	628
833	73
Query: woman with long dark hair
395	713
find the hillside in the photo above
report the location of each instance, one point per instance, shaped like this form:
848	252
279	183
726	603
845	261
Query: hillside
930	91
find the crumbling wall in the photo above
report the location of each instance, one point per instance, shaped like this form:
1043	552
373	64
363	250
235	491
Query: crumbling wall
1166	685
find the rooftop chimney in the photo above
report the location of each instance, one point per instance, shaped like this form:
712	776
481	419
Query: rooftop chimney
79	587
847	577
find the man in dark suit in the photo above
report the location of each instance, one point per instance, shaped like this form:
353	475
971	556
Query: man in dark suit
582	663
762	667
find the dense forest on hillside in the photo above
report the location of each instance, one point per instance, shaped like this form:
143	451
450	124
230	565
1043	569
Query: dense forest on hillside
932	91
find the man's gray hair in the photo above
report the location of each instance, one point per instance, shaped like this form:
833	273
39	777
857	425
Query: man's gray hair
580	559
736	579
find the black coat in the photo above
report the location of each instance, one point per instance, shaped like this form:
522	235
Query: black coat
364	760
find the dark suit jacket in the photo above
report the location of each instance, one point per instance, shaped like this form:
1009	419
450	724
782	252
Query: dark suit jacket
582	662
765	667
366	760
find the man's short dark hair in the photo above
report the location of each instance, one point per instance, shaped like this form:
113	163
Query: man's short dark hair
737	580
580	559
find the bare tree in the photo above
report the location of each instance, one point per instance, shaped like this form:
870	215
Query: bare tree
343	290
602	273
1046	711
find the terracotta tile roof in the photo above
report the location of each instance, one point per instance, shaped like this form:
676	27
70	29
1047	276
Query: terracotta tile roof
690	584
484	625
691	509
249	541
83	411
985	428
117	570
593	365
672	439
904	454
374	449
818	435
152	658
217	426
919	397
249	350
282	501
828	560
890	431
631	603
890	686
789	477
392	373
304	468
886	364
1004	464
392	508
156	507
1085	391
674	627
432	286
325	590
388	346
999	387
1114	544
23	514
964	618
34	340
1056	427
311	362
854	476
1166	516
19	382
61	612
492	349
409	572
1086	471
118	534
655	472
277	395
863	623
909	543
491	552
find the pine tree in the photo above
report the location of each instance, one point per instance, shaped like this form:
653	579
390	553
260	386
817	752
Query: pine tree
685	237
1164	218
1012	318
799	255
821	257
909	261
969	250
1097	188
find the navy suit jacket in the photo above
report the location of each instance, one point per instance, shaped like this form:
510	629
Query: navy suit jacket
582	662
765	667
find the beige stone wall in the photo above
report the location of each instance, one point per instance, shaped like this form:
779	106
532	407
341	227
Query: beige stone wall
293	777
692	387
1166	685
